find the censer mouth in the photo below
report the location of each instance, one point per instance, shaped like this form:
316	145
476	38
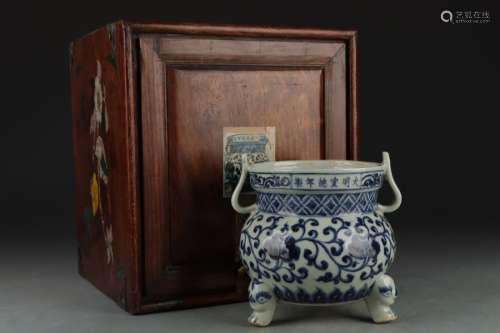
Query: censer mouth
315	166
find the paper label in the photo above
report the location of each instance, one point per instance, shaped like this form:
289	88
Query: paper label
259	145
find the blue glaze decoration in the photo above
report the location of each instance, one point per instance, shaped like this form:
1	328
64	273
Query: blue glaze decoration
317	204
321	246
317	235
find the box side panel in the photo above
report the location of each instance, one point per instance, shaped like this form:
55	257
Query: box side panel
101	153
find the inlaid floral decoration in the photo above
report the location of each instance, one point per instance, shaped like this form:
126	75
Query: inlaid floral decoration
99	125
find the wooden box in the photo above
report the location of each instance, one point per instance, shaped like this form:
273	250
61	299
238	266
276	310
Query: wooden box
150	103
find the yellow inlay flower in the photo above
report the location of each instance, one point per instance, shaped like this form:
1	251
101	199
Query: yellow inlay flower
94	193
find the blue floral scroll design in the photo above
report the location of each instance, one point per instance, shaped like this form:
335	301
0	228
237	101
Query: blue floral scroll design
270	181
323	249
349	266
381	233
262	265
372	180
332	247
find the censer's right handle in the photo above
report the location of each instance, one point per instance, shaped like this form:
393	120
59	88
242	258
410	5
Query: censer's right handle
398	198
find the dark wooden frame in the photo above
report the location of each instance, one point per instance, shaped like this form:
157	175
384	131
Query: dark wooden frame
138	44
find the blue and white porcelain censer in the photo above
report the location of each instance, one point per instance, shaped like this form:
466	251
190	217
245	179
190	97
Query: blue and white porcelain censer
317	235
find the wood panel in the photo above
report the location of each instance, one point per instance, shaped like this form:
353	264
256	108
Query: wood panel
210	83
154	154
204	101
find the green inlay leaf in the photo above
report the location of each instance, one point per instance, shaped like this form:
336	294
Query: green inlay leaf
87	215
78	69
120	273
111	31
82	103
111	58
87	219
104	167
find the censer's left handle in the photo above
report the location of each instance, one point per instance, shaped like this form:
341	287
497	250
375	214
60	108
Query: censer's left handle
237	190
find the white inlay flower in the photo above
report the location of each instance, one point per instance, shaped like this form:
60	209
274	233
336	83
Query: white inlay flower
99	103
100	155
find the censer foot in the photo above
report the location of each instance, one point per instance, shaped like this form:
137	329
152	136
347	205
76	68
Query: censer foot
383	295
262	302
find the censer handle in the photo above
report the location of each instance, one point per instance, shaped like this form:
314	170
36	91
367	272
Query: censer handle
397	193
237	190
